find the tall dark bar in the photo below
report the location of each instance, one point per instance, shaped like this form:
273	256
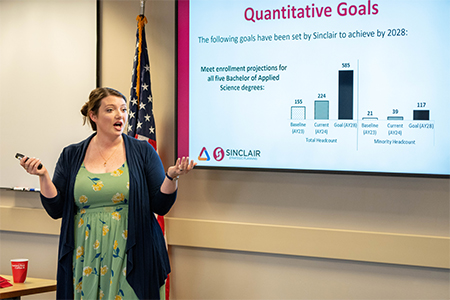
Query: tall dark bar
423	115
345	108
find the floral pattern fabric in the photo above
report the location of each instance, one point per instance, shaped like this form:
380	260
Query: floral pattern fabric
99	259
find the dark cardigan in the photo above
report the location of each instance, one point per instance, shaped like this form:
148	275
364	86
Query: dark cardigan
148	261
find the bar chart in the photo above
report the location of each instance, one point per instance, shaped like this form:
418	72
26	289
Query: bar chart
423	115
321	110
346	104
345	95
359	119
298	112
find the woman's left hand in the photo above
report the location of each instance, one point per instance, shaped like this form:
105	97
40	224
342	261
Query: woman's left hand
181	167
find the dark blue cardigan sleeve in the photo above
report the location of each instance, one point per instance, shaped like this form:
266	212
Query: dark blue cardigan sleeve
55	206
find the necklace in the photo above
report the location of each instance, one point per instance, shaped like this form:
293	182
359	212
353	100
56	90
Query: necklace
106	160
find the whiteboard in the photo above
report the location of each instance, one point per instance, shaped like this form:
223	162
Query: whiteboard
47	70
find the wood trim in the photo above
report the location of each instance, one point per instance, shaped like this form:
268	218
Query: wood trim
31	220
380	247
392	248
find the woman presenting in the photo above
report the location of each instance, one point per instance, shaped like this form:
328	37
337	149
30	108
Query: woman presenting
106	189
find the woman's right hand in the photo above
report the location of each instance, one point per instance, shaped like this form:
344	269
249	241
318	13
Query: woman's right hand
47	187
31	166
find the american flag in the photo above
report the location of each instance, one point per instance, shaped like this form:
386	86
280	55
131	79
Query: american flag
141	123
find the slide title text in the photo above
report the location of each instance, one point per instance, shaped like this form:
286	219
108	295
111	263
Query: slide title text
310	11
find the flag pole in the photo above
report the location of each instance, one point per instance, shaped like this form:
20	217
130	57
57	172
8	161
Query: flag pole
142	10
141	97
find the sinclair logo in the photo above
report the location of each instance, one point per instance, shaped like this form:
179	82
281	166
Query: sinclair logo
235	154
204	155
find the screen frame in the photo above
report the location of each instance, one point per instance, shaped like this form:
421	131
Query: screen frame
182	106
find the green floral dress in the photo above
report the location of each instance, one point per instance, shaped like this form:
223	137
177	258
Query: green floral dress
99	259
